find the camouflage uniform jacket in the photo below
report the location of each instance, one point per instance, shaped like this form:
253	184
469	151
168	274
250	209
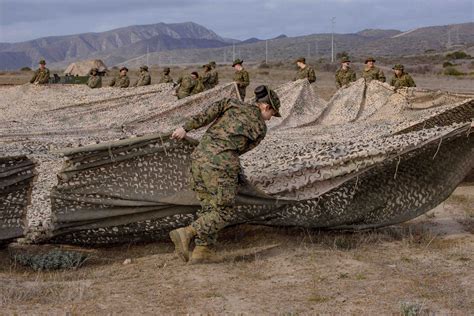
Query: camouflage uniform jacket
236	128
41	76
242	78
166	79
144	79
199	87
374	73
344	77
185	86
206	80
405	80
214	78
306	73
94	82
120	82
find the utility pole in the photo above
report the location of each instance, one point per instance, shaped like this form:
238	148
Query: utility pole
333	21
225	56
233	51
266	52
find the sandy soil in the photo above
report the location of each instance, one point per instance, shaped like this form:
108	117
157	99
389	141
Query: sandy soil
424	264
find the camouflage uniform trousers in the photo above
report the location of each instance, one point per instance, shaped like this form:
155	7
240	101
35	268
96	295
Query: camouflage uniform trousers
215	187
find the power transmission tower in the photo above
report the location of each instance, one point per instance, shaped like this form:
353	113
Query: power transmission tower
333	21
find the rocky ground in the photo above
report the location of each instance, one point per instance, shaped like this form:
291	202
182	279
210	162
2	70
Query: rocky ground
423	265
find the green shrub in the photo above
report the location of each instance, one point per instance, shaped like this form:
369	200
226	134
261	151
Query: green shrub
25	69
458	55
451	71
263	65
447	64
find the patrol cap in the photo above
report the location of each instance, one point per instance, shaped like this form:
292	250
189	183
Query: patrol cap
93	70
144	67
345	59
195	74
301	60
238	61
398	67
123	68
166	69
207	66
212	63
42	62
369	59
266	95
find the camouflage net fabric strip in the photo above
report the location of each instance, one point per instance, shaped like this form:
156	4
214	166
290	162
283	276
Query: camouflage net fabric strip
316	168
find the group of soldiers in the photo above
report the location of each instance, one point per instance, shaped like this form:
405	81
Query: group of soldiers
195	83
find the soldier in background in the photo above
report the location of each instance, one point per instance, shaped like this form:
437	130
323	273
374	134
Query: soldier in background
186	85
371	72
214	74
165	77
199	87
401	78
41	75
345	74
122	81
94	81
241	77
215	166
206	78
144	78
304	71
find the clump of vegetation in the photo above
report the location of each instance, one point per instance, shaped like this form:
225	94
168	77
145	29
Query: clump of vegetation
264	65
447	64
411	309
421	69
451	71
458	55
25	69
342	54
55	259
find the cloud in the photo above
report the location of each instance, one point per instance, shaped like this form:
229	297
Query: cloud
28	19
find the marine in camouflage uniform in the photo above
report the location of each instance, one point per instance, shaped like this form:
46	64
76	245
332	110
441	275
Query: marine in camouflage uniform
94	81
122	81
241	77
206	78
371	72
345	74
144	78
186	86
236	128
41	75
304	71
401	79
199	87
214	75
166	78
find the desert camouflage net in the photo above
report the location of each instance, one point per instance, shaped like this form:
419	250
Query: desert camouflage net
369	157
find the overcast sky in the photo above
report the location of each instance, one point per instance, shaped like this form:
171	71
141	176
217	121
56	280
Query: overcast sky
22	20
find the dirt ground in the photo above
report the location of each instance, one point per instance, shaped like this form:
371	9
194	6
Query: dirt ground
423	265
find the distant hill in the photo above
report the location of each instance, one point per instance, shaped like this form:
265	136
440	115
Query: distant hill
191	43
389	43
123	43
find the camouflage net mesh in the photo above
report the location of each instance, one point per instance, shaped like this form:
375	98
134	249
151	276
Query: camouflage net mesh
369	157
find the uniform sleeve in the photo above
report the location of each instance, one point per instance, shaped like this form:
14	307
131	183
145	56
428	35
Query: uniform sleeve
382	76
411	82
207	116
255	143
206	79
311	75
126	83
353	76
35	74
112	83
392	82
338	81
246	79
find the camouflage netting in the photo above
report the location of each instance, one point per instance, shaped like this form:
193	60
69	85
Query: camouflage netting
369	157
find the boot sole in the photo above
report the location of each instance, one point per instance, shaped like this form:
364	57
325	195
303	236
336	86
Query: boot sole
179	245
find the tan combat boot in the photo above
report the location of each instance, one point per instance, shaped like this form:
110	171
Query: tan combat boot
202	254
181	239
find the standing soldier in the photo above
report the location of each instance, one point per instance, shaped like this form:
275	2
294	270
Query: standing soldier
241	77
371	72
304	71
94	81
122	81
345	74
214	74
206	78
186	85
401	78
237	128
144	78
41	75
166	78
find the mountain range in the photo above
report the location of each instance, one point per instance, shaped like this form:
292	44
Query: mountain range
184	43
